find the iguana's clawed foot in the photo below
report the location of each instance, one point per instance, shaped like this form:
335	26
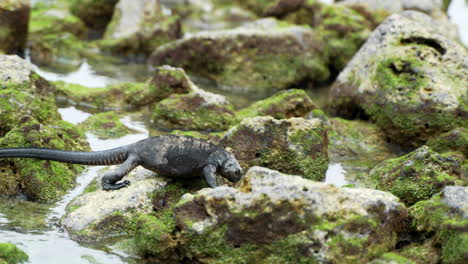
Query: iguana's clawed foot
114	186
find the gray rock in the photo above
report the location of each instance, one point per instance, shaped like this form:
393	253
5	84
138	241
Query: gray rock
101	214
269	206
259	56
14	69
456	197
409	78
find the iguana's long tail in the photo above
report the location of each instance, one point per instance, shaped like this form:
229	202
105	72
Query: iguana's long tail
106	157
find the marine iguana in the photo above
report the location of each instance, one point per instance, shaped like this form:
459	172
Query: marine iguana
172	156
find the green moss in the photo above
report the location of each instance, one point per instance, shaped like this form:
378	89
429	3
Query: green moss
284	104
421	253
95	13
452	141
189	111
395	258
106	125
10	254
454	240
417	176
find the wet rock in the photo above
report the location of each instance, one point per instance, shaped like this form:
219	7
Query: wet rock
139	27
169	80
14	26
198	110
418	175
357	146
55	37
98	214
11	254
95	13
444	217
257	57
408	78
281	105
105	125
296	145
40	180
278	218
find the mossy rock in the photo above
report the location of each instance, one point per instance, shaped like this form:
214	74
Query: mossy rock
414	80
418	175
281	105
453	141
105	125
254	224
11	254
14	26
261	56
444	217
169	80
138	31
55	37
213	137
194	111
95	13
40	180
296	146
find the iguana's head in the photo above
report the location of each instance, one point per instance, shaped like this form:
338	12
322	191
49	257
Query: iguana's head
230	168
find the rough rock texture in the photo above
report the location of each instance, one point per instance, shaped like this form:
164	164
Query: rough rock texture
55	37
444	218
105	125
357	146
418	175
295	146
97	214
278	218
408	78
11	254
95	13
169	80
14	19
283	104
453	141
258	56
198	110
138	27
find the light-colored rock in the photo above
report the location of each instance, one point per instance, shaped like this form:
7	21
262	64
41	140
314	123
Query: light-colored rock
456	197
408	78
100	214
13	69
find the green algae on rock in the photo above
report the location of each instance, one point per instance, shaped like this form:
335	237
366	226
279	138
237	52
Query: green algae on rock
169	80
95	13
445	217
14	26
455	140
296	145
105	125
138	27
281	105
277	218
418	175
198	110
408	78
55	37
11	254
260	56
40	180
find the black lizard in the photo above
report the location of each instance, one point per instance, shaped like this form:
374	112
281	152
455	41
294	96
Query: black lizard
172	156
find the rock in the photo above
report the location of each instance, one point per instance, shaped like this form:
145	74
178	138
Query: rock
198	110
392	258
99	214
11	254
444	217
40	180
55	37
278	218
14	26
408	78
418	175
270	8
138	27
169	80
95	13
260	56
455	140
296	145
357	146
281	105
106	125
214	137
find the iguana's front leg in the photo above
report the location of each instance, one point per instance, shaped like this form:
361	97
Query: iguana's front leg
209	174
109	180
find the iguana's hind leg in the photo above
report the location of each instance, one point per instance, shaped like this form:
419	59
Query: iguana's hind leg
110	179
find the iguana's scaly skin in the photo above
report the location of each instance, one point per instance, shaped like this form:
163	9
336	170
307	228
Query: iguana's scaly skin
172	156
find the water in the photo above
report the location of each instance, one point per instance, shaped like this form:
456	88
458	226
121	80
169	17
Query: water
458	14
